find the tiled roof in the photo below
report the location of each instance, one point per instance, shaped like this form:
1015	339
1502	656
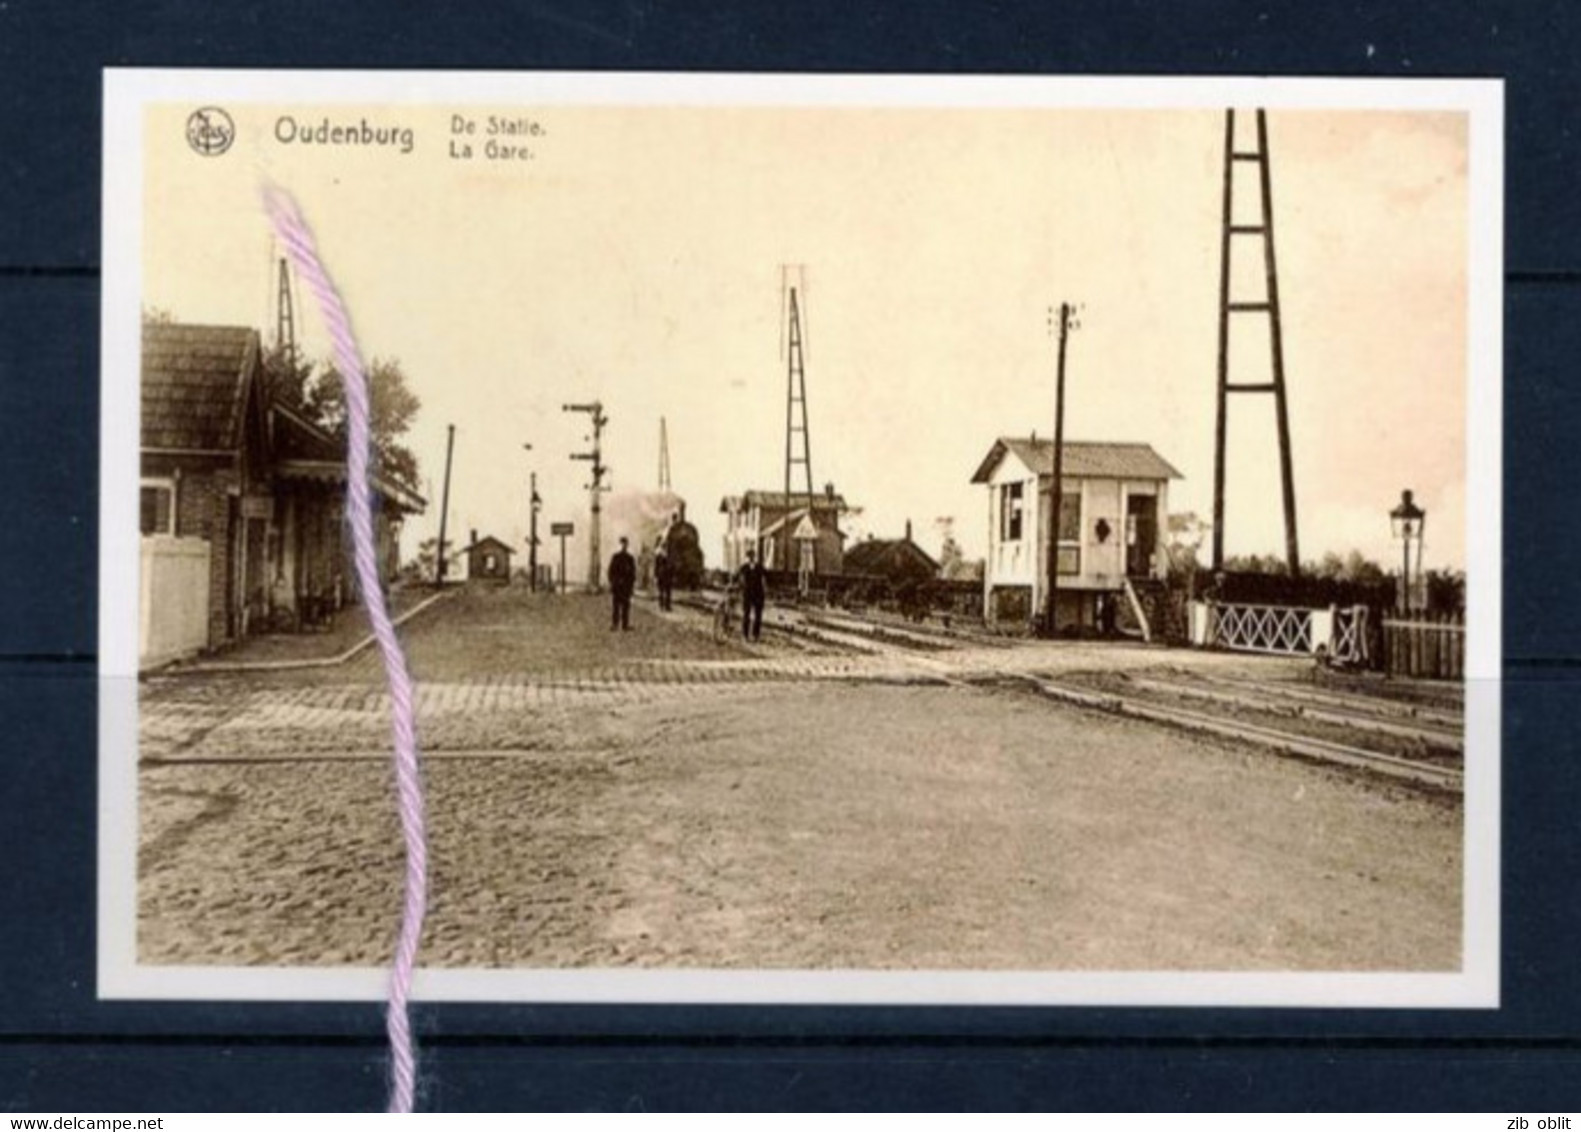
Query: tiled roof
779	501
302	449
194	381
1091	459
888	556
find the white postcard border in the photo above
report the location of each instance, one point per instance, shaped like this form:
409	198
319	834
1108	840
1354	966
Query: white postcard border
127	92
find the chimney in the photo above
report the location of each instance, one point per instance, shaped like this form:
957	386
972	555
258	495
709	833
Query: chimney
908	530
828	490
474	541
680	514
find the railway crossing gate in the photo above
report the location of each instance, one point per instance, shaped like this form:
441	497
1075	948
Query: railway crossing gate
1340	635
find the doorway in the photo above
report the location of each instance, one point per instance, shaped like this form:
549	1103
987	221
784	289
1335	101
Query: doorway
1141	534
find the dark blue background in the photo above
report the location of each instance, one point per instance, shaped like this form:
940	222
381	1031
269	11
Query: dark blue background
62	1049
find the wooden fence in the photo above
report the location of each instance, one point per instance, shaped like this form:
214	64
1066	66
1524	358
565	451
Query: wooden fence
1430	646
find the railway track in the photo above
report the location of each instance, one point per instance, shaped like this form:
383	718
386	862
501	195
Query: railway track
1357	702
1431	734
706	602
928	651
921	633
1303	746
844	632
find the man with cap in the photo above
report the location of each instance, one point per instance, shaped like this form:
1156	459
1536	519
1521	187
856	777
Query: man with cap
753	593
622	581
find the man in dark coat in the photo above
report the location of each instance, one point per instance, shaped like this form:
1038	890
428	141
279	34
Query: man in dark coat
753	593
663	574
622	580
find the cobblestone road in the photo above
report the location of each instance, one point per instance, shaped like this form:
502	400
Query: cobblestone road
661	797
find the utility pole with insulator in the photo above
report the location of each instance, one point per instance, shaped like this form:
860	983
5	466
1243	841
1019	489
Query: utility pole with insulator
595	487
444	505
1057	484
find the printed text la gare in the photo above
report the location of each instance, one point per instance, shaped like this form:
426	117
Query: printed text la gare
494	137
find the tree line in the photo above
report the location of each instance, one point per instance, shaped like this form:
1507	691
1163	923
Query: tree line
1442	590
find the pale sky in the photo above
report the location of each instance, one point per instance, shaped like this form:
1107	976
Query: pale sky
637	259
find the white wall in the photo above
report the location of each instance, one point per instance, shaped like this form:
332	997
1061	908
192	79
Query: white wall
1014	563
1024	561
173	598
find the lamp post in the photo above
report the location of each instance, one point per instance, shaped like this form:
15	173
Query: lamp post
1407	521
534	503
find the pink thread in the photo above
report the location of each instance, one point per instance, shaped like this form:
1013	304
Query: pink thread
298	240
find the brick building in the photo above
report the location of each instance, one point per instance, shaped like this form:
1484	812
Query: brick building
241	500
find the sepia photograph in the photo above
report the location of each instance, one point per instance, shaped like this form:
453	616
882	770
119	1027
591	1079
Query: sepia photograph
852	539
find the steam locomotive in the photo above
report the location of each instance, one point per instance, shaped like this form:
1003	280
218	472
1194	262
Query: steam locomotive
686	554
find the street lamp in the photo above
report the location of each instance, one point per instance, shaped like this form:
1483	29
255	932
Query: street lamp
1407	521
533	505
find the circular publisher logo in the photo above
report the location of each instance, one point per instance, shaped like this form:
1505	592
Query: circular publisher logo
210	131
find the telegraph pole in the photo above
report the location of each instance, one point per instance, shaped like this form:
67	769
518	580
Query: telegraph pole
596	488
444	505
533	504
532	548
1058	486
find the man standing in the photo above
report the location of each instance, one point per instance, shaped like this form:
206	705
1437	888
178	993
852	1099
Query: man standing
663	574
622	580
753	592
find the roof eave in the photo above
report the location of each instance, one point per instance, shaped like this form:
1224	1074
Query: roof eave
334	471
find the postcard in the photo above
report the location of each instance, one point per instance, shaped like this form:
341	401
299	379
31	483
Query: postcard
857	540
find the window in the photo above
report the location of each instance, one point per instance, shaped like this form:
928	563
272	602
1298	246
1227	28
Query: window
490	565
1070	517
1069	553
157	508
1010	512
